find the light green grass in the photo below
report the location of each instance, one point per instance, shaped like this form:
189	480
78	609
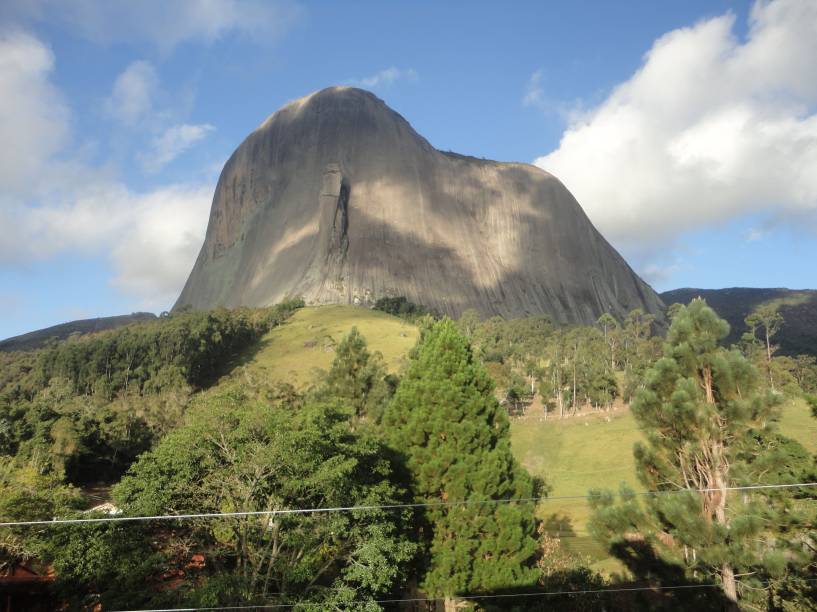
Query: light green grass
576	455
798	423
296	350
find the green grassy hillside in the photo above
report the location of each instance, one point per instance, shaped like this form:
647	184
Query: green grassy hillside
578	454
294	351
572	455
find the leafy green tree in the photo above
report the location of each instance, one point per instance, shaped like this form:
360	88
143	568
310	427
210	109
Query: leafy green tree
802	369
707	425
469	323
112	561
612	335
456	442
515	394
639	349
400	307
241	455
26	495
553	384
358	377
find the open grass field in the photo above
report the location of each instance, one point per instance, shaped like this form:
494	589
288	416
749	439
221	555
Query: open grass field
572	455
582	453
294	351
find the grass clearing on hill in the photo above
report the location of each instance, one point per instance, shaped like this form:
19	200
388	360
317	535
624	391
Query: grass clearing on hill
582	453
294	351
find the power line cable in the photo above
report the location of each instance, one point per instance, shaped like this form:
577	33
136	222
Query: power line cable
328	510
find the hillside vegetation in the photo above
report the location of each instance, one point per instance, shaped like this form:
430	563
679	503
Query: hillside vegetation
256	410
572	455
798	308
41	337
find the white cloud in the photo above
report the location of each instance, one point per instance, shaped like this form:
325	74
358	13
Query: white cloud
34	121
64	205
173	142
386	77
152	238
154	257
534	91
133	91
710	128
162	23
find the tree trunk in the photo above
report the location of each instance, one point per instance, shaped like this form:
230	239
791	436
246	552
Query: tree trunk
450	604
769	359
728	583
729	586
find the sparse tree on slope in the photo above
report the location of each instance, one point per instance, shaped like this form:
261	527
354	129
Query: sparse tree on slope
767	321
611	331
709	426
446	420
357	377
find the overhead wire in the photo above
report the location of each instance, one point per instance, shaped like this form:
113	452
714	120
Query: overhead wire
362	508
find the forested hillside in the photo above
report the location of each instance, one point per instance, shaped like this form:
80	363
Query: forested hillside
798	308
41	337
419	433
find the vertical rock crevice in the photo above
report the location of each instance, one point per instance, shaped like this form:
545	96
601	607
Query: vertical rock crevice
334	227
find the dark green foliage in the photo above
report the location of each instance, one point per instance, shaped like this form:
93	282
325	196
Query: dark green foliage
44	337
709	424
798	308
188	348
358	378
401	307
578	371
84	409
28	495
114	561
639	350
239	454
455	438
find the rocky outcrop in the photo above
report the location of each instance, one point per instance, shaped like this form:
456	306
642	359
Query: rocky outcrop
337	199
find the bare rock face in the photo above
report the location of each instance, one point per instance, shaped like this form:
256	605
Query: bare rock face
337	199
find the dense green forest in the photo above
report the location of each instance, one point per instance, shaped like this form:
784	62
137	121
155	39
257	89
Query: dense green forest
432	503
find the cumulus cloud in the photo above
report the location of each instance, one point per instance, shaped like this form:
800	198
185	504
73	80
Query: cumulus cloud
158	251
150	237
133	91
34	120
161	23
173	142
710	128
386	77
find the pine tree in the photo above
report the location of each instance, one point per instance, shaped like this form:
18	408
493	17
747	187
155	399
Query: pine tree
456	442
357	377
708	425
767	318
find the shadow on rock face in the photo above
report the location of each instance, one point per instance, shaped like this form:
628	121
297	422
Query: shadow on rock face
336	198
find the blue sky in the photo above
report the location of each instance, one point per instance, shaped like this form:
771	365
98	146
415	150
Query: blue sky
687	130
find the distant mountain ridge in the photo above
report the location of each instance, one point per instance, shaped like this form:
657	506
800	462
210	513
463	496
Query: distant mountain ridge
39	338
798	308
